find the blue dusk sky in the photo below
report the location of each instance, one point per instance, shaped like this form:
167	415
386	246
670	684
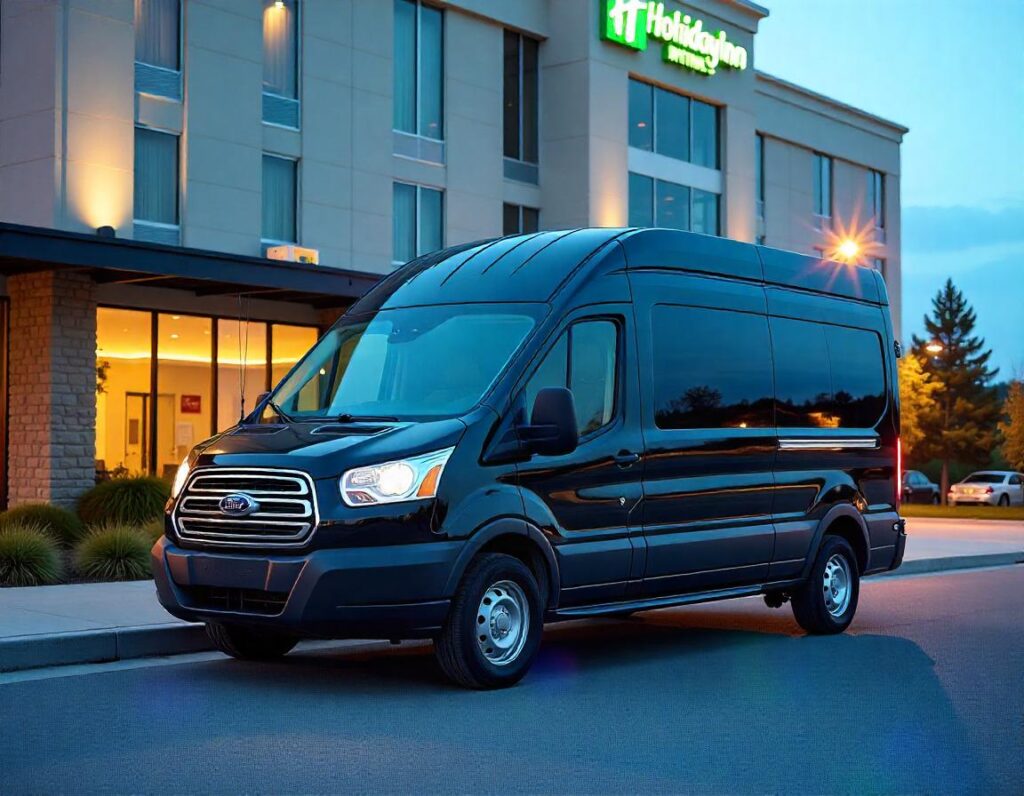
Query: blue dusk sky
953	72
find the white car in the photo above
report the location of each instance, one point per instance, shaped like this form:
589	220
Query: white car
994	487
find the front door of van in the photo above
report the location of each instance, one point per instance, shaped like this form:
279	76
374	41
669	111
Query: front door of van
706	385
589	500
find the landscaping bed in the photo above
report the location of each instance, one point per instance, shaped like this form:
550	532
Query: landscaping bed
107	537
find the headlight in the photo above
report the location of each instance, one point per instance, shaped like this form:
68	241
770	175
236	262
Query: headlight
180	477
414	478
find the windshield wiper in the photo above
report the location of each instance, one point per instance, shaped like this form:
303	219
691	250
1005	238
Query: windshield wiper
280	412
347	417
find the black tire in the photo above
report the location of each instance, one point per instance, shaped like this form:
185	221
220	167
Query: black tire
809	602
459	649
1004	500
249	644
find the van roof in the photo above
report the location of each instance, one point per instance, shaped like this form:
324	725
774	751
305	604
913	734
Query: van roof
533	267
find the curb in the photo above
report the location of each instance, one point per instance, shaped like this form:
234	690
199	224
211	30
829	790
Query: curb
921	566
123	643
100	646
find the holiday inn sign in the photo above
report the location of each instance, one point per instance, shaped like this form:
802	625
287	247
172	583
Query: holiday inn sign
685	42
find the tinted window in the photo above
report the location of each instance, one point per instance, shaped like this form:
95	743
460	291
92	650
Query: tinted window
641	115
672	129
583	360
641	201
712	369
858	381
803	385
827	376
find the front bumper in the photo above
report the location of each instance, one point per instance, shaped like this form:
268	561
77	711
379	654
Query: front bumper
396	591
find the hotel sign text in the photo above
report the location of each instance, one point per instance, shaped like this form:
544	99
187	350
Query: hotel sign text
685	42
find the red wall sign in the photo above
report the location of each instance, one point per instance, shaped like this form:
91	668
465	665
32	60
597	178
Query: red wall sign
191	404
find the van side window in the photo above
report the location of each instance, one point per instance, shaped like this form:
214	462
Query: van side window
827	376
584	360
711	369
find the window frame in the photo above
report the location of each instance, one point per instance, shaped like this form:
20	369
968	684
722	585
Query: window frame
552	342
521	39
520	211
281	98
178	203
265	241
876	193
154	318
823	164
690	100
417	210
417	82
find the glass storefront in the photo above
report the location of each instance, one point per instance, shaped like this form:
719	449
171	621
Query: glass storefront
165	382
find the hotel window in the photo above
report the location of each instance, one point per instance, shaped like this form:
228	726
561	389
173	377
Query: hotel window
197	376
876	197
417	221
659	203
822	185
155	210
521	107
519	219
279	199
158	47
759	174
673	125
184	389
281	62
419	69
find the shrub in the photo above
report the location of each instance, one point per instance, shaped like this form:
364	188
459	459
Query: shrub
65	528
124	501
153	529
28	556
113	552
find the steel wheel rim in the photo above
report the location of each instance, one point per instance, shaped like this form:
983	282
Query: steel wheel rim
502	622
837	585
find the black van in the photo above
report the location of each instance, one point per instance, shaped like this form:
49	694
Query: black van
553	426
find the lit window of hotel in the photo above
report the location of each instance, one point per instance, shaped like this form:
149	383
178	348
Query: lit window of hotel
281	62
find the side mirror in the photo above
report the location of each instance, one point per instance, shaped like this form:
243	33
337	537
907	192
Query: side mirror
552	429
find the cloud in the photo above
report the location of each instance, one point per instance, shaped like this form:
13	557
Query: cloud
948	229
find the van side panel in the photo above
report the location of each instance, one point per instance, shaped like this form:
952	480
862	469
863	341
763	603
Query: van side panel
707	479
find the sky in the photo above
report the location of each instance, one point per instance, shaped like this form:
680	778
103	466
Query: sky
953	72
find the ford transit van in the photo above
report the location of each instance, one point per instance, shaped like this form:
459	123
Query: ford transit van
553	426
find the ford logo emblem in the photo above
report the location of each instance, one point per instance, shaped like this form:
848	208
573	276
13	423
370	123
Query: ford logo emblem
238	505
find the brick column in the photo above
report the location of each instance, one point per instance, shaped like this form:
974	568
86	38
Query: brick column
52	387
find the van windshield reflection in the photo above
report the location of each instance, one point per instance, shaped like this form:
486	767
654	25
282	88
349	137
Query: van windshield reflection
404	363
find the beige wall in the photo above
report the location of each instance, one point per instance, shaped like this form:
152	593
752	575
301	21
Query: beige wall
66	126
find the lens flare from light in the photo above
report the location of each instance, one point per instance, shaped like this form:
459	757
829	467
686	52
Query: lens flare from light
848	249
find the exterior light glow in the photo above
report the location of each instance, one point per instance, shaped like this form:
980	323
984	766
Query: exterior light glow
278	3
849	249
935	348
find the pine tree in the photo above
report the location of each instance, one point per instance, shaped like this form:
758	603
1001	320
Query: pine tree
1013	426
961	426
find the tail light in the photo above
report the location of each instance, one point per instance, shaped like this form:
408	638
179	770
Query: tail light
989	490
899	471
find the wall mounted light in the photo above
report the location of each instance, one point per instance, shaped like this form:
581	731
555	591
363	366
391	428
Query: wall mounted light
106	231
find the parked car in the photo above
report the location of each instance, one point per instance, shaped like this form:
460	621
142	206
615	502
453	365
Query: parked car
994	487
918	489
546	427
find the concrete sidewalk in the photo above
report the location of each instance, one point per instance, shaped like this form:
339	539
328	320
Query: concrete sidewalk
95	622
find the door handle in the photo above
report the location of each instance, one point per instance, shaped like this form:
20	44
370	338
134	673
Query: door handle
626	458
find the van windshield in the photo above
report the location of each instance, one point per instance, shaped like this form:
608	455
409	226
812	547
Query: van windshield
406	363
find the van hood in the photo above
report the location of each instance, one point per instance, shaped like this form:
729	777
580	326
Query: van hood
326	449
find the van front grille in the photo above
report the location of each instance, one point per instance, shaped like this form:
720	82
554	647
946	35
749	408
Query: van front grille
284	514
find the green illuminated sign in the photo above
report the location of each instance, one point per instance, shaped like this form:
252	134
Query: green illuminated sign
685	42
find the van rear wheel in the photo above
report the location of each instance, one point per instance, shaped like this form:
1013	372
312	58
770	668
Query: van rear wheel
826	602
249	644
493	629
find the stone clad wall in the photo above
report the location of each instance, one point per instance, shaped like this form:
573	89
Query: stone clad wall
52	387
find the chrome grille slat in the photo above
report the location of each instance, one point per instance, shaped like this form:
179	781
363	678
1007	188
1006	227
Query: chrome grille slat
287	514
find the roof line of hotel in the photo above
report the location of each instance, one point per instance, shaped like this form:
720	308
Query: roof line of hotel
764	77
748	5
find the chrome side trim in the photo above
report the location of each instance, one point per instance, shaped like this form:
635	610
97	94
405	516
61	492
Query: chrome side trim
827	443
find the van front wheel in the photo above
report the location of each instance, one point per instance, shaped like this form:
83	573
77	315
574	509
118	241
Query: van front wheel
493	629
827	601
